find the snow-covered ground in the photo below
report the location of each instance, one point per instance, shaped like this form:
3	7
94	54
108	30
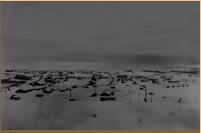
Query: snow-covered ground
127	112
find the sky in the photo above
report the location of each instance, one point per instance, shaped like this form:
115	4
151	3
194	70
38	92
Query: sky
138	32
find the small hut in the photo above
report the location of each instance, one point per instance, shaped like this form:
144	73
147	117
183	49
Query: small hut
13	97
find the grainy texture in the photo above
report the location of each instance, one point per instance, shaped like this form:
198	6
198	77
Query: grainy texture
100	65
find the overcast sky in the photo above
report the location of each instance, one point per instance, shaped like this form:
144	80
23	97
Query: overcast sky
100	31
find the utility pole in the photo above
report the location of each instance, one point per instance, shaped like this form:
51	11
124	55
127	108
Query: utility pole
145	99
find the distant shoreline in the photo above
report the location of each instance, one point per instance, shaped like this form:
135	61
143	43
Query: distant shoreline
60	66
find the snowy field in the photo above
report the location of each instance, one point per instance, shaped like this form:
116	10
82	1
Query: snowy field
128	111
